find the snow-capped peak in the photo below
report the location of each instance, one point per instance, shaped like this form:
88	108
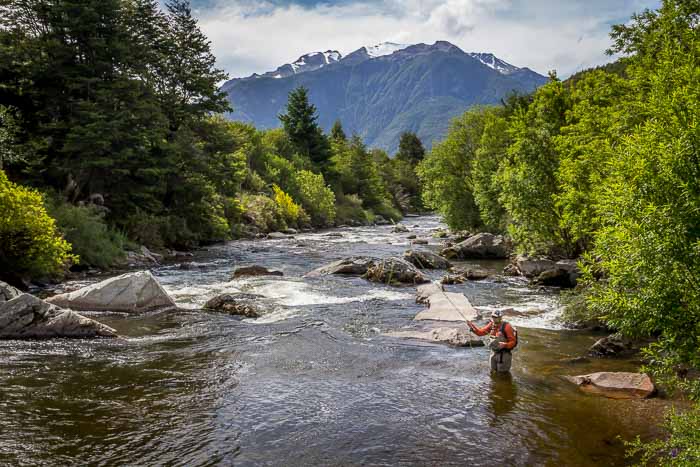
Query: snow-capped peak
494	62
385	48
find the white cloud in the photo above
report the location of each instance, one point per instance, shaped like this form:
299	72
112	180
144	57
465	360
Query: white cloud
250	36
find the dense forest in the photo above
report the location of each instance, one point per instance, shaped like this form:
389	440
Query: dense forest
604	167
111	137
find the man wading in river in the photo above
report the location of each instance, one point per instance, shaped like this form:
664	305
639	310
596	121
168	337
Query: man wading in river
503	340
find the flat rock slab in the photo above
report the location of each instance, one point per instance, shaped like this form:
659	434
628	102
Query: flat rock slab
615	385
254	270
448	306
132	293
27	317
450	336
426	290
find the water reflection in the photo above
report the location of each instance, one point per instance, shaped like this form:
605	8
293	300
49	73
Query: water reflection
503	396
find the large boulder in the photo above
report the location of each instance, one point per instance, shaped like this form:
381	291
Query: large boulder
354	266
448	306
615	385
426	290
132	293
27	317
235	304
451	336
532	267
394	270
479	246
7	292
426	260
254	270
564	273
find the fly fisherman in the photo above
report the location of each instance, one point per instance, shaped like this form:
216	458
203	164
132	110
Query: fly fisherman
503	340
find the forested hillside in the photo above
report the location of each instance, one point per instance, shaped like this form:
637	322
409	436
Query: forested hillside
605	167
112	137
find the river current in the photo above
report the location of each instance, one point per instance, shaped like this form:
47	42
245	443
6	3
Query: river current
314	381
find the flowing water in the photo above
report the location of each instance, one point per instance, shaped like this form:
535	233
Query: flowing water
314	381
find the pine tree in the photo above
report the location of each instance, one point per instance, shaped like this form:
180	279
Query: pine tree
410	148
300	124
337	132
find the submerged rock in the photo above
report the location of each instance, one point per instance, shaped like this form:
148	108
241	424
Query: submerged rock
27	317
452	279
615	385
394	270
419	241
426	260
7	292
479	246
353	266
399	228
254	270
235	304
132	293
450	336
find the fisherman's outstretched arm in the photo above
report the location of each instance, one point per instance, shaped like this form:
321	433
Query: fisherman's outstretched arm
480	331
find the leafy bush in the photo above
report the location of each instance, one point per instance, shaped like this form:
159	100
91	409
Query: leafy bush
84	227
263	212
349	210
291	211
30	244
316	198
680	449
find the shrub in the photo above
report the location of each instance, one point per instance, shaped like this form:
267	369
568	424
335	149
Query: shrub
30	244
349	210
263	212
681	448
316	198
84	227
289	209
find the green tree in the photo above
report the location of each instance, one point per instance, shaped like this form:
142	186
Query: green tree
337	132
528	173
300	124
446	172
30	244
410	148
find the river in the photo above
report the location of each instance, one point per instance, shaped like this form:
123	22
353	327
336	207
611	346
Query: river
314	381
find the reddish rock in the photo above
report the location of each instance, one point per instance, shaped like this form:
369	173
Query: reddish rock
615	385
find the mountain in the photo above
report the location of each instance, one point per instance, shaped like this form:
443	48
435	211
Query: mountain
381	91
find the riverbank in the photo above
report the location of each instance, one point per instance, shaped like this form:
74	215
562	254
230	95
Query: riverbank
314	379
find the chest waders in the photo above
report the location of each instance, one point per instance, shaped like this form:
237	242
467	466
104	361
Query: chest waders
501	359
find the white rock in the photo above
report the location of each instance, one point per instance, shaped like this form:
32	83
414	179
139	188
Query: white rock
448	306
132	293
27	317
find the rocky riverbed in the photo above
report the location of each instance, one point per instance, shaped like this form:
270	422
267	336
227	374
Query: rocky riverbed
327	373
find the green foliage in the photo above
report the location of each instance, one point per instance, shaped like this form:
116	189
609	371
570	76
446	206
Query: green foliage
294	215
264	213
446	172
680	449
337	132
349	210
300	124
411	148
84	227
316	198
528	174
30	243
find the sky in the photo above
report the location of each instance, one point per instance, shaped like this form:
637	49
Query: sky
563	35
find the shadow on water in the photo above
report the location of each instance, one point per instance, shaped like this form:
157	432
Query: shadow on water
312	382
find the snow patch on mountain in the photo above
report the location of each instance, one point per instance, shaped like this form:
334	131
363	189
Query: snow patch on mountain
495	63
385	48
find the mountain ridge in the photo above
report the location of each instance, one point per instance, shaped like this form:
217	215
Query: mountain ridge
381	91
